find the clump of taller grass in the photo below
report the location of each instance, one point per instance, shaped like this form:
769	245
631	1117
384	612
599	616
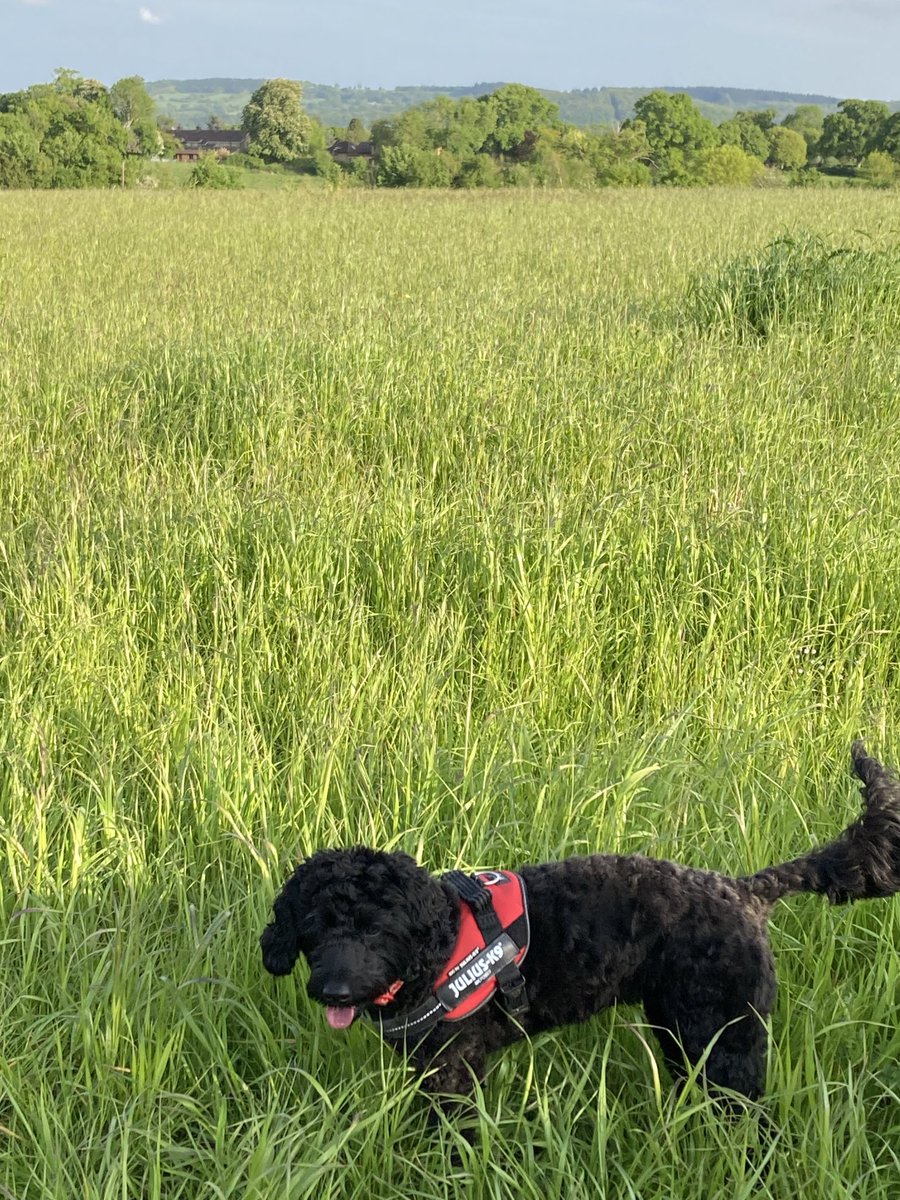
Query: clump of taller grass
798	280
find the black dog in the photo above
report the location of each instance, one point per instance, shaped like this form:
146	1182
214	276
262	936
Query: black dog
378	930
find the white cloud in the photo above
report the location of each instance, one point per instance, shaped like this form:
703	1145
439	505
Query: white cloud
149	17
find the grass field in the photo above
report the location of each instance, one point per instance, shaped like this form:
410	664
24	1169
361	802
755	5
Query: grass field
464	524
166	175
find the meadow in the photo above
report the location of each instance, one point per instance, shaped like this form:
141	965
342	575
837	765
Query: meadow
492	527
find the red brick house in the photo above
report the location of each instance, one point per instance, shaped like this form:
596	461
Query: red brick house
222	142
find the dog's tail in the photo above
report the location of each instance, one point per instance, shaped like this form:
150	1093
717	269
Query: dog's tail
863	863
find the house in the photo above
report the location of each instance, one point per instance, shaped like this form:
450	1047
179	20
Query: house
345	152
222	142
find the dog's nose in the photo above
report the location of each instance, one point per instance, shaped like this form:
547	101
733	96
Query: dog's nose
336	993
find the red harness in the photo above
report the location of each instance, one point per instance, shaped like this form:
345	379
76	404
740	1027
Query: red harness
469	979
491	943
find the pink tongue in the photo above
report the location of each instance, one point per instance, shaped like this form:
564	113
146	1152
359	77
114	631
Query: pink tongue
340	1018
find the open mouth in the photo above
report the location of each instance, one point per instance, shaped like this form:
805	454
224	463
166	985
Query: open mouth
340	1016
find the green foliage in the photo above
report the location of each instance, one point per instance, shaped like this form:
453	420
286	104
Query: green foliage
169	145
480	171
561	158
248	161
799	280
620	159
356	131
322	164
275	122
889	138
808	120
853	131
787	148
360	171
675	130
208	172
75	133
880	170
406	165
746	135
517	114
63	134
135	110
446	142
22	164
728	166
750	131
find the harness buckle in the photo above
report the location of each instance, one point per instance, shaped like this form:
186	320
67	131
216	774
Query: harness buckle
515	999
511	986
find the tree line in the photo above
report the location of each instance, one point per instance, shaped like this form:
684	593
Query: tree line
514	135
75	132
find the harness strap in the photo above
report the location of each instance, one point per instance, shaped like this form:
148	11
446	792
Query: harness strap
510	981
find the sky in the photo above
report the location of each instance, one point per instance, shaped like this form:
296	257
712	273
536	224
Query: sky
830	47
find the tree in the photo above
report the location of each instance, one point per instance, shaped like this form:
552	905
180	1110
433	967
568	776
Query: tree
134	108
676	130
787	148
854	130
515	115
208	172
880	170
22	164
80	141
408	166
889	139
750	131
807	120
275	122
479	172
620	159
728	166
356	131
384	133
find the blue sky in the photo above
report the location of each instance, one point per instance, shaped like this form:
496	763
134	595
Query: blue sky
832	47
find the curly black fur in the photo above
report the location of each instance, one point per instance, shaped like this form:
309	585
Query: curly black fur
690	945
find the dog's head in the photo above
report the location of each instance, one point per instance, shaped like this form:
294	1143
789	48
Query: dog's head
374	927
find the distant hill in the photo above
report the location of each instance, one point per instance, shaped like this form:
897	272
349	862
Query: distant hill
193	101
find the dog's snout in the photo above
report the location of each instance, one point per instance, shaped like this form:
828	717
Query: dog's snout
335	992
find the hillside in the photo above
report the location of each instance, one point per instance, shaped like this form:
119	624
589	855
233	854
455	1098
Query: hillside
192	101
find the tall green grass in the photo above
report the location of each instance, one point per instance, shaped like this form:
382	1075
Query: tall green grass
408	520
801	279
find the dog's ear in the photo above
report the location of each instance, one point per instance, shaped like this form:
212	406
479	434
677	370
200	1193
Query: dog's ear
280	940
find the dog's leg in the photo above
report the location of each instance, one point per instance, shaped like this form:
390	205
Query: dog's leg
449	1079
733	1050
458	1110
